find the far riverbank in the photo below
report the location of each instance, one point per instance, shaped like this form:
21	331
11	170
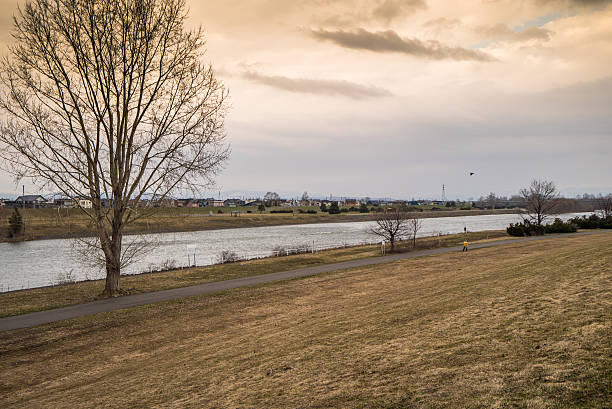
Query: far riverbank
45	224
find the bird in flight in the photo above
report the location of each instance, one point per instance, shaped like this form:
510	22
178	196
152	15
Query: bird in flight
472	173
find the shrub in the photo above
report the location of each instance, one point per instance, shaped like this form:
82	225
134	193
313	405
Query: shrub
323	207
15	224
333	208
219	211
228	256
592	222
525	229
311	212
559	226
282	211
261	208
363	208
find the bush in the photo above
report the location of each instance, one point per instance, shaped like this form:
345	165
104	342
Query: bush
592	222
261	208
228	256
219	211
363	208
525	229
559	226
323	207
15	224
333	208
282	211
311	212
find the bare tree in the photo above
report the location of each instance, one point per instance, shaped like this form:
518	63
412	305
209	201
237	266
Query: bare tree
109	100
391	226
272	199
540	200
414	225
604	205
492	200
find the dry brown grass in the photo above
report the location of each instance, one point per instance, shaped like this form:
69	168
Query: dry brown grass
21	302
526	325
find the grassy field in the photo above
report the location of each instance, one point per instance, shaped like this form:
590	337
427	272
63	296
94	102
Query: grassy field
527	325
21	302
61	223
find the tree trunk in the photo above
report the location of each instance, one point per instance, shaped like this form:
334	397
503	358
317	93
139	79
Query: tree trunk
392	241
113	264
112	289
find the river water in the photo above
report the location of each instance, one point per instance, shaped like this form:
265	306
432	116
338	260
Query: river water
46	262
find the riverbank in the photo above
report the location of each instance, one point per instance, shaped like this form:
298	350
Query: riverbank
522	325
44	224
39	299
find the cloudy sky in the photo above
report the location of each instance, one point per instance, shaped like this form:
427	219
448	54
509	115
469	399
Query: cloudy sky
397	97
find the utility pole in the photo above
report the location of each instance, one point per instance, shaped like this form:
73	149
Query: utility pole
444	195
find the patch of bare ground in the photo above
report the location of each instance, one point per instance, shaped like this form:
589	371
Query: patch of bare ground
523	325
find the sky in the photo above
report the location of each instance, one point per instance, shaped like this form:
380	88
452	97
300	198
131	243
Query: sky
394	98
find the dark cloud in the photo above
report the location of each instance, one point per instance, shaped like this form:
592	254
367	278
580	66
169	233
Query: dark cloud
502	32
321	87
392	9
390	42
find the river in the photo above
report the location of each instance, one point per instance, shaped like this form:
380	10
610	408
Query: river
46	262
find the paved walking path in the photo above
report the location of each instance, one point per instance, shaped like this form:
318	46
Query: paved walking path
112	304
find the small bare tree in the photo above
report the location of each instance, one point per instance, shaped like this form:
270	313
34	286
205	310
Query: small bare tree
414	225
492	200
109	100
540	200
391	226
604	205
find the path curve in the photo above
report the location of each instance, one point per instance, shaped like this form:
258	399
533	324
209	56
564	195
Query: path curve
113	304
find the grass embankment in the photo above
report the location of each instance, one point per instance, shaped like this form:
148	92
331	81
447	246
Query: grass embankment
21	302
63	223
523	325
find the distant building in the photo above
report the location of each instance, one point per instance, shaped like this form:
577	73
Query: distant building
187	203
32	201
63	203
84	203
211	202
233	202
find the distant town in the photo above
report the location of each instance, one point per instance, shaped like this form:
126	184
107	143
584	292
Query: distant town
586	202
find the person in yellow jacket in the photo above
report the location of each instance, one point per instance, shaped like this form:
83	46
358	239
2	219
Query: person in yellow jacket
465	245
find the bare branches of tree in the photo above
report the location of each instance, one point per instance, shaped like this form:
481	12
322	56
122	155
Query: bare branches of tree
540	200
109	100
604	205
414	225
391	226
